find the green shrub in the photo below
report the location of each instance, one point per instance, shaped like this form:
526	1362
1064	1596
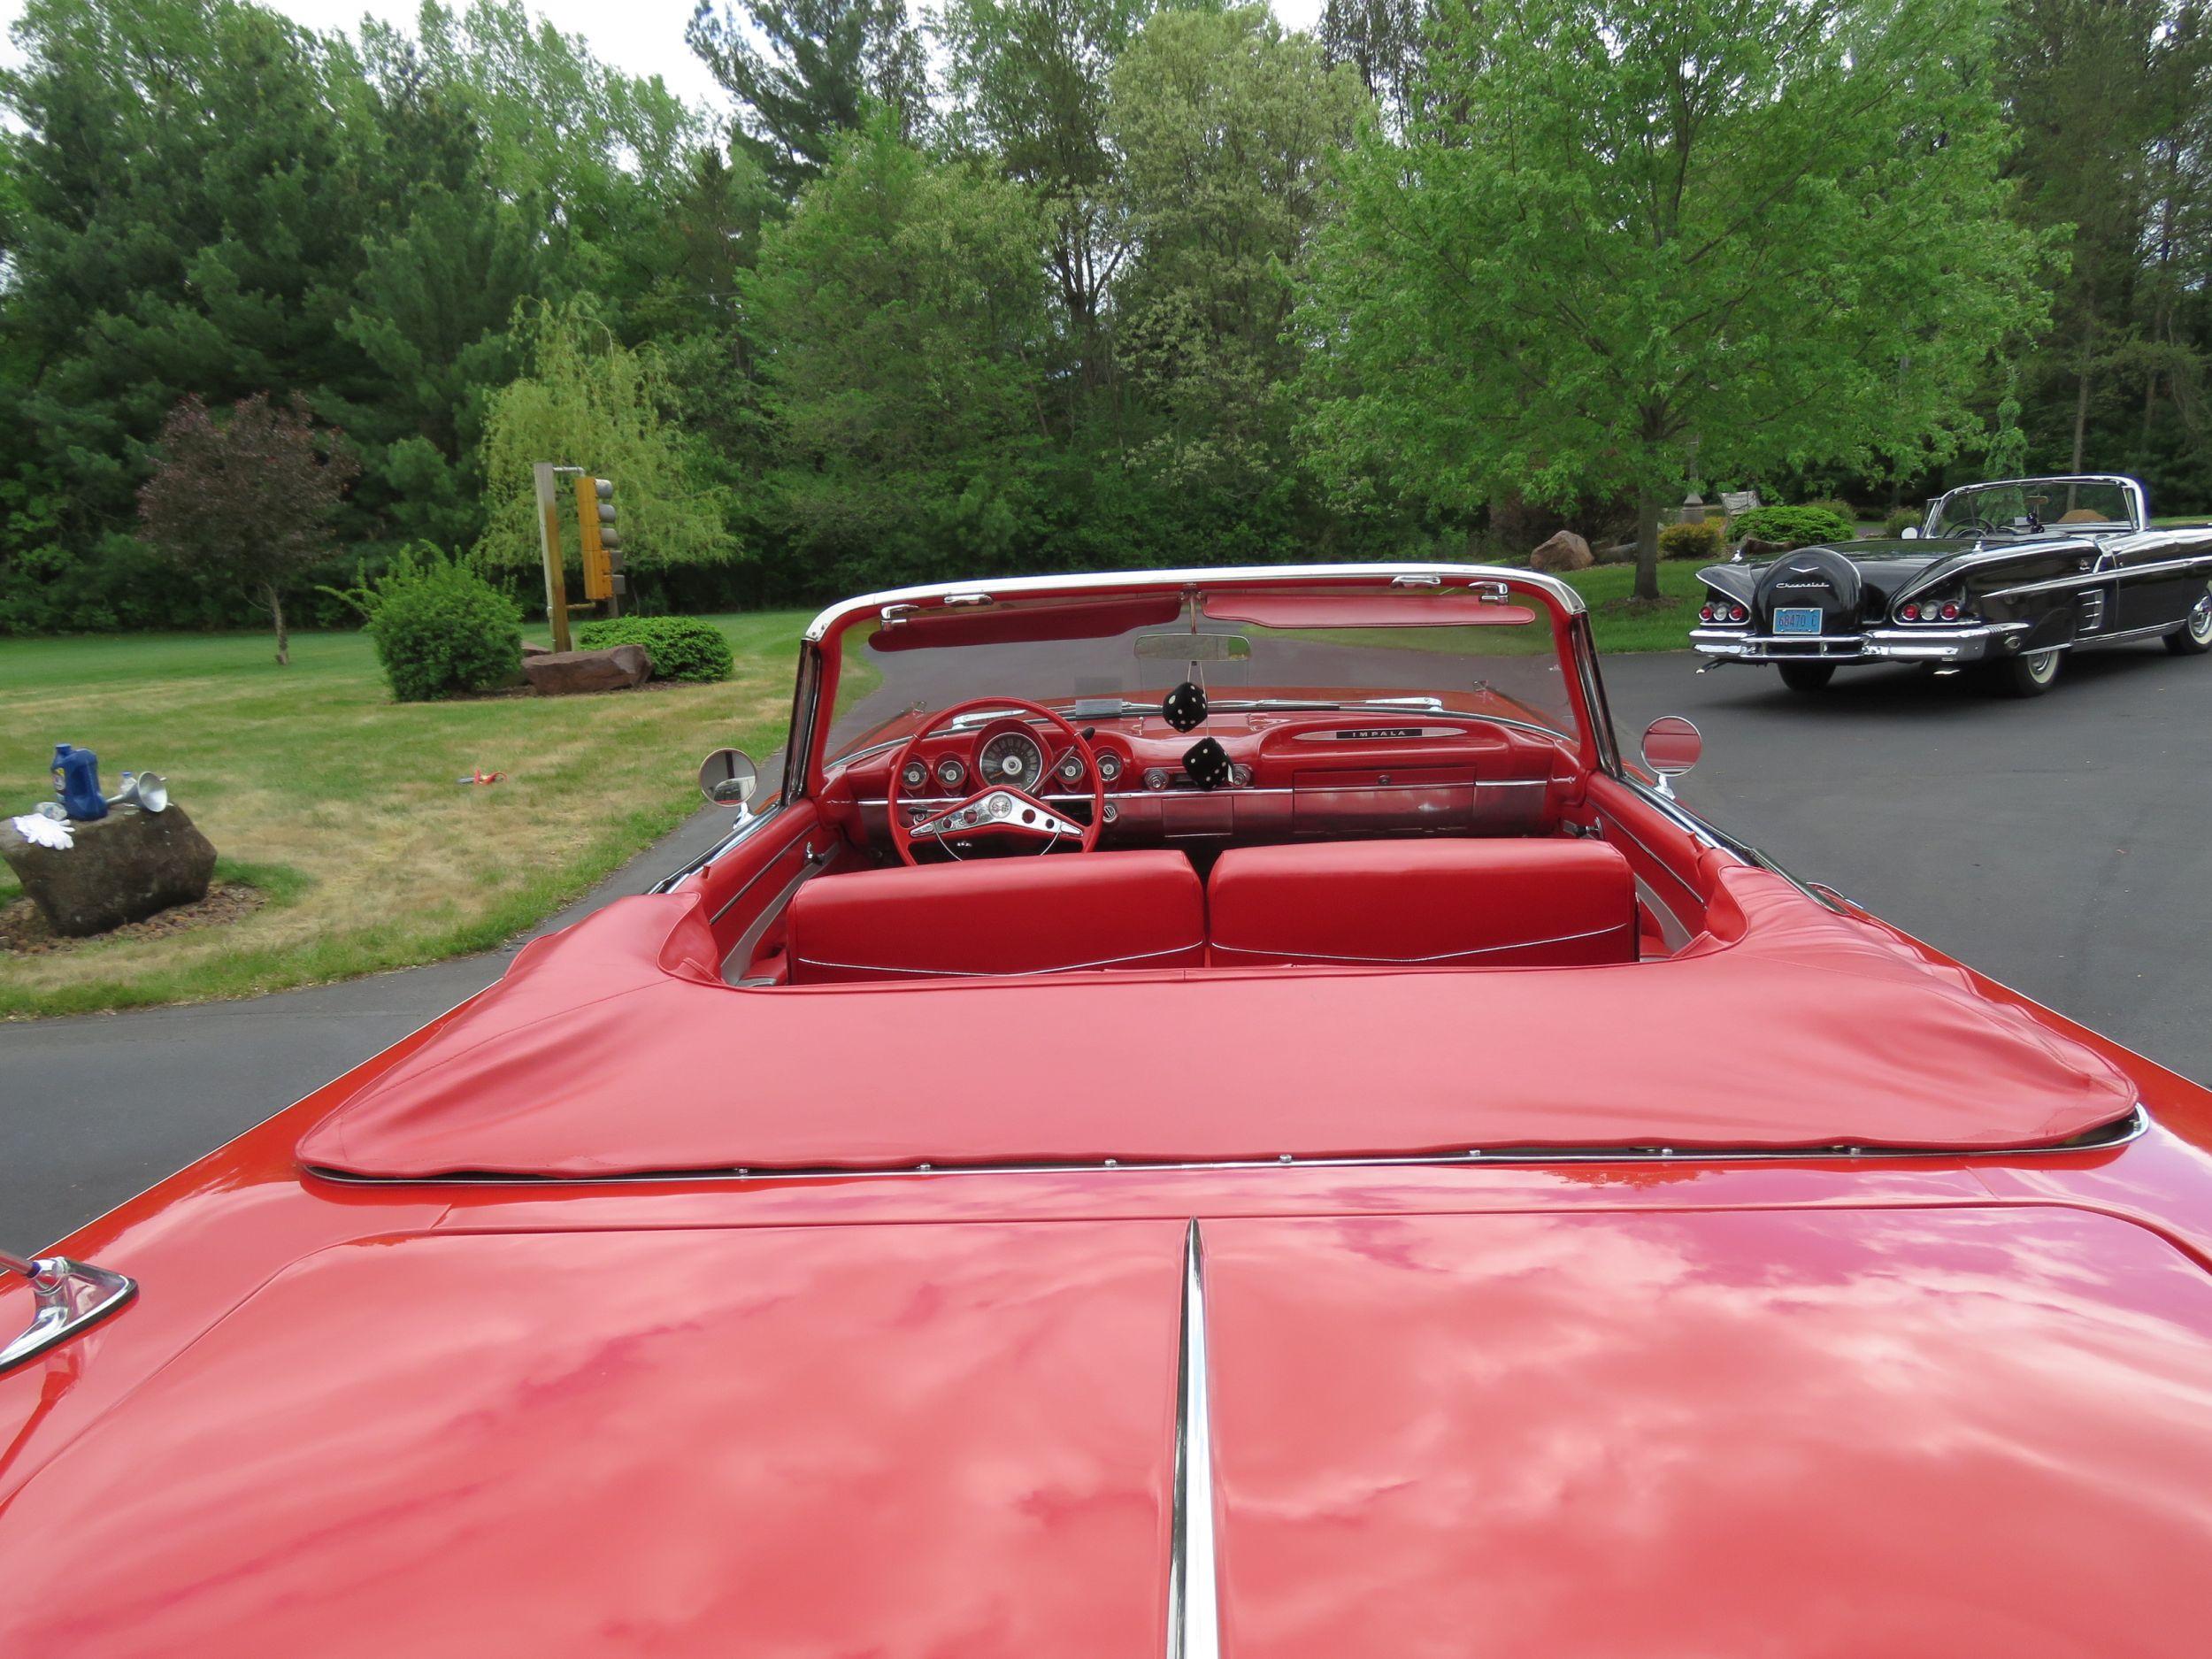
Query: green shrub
1836	504
1697	540
439	627
1793	526
1898	521
683	648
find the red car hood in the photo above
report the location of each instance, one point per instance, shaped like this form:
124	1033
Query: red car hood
1964	1432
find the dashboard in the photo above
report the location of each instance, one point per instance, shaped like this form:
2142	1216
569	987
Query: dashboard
1332	774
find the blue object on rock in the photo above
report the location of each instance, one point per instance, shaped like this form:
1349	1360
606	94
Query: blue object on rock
77	781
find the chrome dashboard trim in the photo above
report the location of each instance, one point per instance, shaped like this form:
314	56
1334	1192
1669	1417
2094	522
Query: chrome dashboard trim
1194	1606
2119	1133
1227	791
1247	575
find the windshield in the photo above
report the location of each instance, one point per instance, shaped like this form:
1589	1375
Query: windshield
1116	656
2024	507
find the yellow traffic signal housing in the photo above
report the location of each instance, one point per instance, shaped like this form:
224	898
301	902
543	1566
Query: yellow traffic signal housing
603	545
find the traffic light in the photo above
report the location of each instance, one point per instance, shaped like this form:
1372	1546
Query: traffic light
603	545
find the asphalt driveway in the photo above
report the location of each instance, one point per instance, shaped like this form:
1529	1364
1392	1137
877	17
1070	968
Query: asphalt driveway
2061	845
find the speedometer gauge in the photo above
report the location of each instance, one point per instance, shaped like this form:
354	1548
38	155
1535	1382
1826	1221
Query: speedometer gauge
1012	758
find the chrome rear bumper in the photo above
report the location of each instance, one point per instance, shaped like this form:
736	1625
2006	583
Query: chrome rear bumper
1874	645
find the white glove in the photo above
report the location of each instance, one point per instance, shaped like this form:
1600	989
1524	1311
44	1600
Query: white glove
44	832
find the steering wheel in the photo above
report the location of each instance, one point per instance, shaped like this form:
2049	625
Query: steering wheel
998	809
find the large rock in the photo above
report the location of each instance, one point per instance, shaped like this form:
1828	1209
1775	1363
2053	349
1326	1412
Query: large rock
560	674
1565	551
123	868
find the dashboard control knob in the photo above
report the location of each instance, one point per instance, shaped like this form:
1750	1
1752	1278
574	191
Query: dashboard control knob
1155	777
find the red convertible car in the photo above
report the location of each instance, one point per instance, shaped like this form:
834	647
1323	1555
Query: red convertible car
1212	1113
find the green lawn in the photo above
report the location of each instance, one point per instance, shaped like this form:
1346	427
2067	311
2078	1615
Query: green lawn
343	805
1621	627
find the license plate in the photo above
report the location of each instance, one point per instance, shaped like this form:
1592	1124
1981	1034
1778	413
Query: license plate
1797	619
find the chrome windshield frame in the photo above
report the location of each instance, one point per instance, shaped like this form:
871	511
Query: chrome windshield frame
804	760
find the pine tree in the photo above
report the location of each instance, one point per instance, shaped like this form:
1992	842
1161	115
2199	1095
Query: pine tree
819	64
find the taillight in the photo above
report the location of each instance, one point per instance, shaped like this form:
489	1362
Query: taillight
1909	613
1951	612
1705	613
1736	613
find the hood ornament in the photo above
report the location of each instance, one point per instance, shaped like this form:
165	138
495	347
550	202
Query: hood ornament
69	1295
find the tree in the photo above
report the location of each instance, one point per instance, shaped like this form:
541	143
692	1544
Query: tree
804	72
1028	84
1225	126
190	208
589	401
1630	235
902	319
2114	102
432	312
251	500
1382	39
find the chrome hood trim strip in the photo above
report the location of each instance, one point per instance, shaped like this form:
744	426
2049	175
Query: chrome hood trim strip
1193	1611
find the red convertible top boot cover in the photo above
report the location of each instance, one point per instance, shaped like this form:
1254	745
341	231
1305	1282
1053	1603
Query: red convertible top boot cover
614	1048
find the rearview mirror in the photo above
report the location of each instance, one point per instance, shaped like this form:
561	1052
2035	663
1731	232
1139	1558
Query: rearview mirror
1672	747
1193	648
728	777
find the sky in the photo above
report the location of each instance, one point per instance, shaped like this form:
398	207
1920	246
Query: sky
645	37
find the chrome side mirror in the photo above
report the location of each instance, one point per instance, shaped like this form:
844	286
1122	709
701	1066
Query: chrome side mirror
728	777
1672	747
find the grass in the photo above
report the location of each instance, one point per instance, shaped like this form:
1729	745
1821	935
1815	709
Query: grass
1621	625
342	806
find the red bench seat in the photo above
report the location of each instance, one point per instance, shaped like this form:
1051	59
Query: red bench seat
1443	903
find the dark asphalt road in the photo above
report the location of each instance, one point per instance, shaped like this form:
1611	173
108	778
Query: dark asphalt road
2061	845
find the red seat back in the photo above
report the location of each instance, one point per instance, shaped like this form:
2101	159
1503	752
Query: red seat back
999	916
1446	902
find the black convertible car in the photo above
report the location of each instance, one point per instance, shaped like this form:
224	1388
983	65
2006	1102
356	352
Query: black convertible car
2006	577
